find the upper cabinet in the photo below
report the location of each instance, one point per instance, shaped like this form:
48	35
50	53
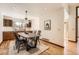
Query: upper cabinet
7	21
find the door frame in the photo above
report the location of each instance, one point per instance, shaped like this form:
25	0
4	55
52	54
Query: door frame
77	23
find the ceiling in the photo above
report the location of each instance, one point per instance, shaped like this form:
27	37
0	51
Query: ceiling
32	5
32	8
53	5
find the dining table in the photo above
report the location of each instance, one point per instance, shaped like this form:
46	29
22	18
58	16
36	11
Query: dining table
32	37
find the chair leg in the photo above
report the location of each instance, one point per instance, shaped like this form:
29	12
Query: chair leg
39	41
16	44
26	45
18	47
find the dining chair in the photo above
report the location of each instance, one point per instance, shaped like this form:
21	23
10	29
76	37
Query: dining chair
33	42
39	34
20	42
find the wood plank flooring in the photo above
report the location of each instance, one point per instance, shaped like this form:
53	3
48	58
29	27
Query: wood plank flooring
4	48
72	48
53	49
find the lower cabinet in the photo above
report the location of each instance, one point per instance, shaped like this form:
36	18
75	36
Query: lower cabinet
7	35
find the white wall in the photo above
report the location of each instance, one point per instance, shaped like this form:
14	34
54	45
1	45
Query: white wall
72	20
56	34
1	28
66	19
8	10
35	22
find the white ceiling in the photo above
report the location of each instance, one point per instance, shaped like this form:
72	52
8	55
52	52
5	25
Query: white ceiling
32	5
53	5
32	8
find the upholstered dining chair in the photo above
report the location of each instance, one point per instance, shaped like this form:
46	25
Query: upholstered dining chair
39	34
33	42
19	42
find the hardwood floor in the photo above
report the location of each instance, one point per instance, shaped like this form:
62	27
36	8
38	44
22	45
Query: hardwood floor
71	48
4	48
78	47
53	49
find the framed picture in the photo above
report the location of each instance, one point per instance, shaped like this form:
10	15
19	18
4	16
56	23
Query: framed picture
47	24
29	23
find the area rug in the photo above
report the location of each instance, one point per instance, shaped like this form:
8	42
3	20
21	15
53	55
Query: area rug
35	51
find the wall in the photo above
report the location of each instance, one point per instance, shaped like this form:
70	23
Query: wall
35	22
1	28
8	10
72	20
56	34
66	19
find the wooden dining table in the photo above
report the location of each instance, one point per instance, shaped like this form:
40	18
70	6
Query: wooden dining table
29	36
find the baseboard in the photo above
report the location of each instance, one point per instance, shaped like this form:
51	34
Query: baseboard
72	41
43	39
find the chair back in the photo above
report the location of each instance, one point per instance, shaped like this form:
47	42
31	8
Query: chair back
16	36
39	33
